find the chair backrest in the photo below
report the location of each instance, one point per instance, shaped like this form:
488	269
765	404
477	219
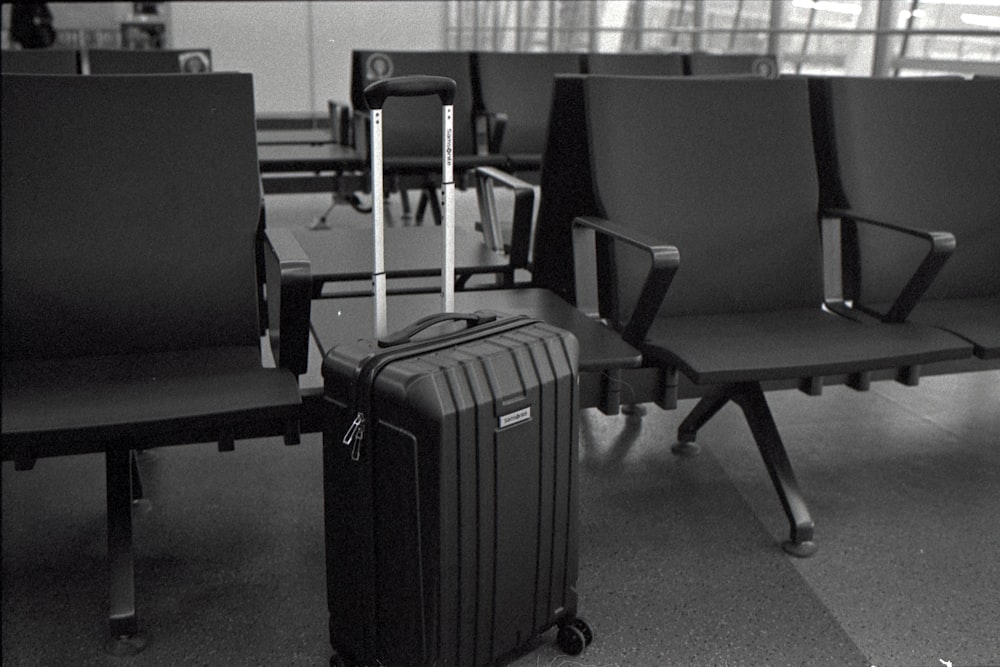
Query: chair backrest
520	86
40	61
566	188
724	170
166	61
714	64
635	64
922	153
130	208
412	126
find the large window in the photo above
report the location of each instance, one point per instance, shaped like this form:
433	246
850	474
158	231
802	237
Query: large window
851	37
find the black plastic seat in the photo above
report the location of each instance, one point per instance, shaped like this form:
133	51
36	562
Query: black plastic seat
929	172
513	93
40	61
634	64
701	63
724	170
149	61
135	272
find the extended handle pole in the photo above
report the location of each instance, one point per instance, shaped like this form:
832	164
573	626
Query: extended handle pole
448	205
375	96
378	223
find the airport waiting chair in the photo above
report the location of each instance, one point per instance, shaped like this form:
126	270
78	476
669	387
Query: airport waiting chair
513	93
940	168
303	129
412	126
40	61
134	272
412	148
727	64
724	170
634	64
155	61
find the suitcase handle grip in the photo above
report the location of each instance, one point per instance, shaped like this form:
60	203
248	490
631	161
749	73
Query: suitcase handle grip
405	335
410	86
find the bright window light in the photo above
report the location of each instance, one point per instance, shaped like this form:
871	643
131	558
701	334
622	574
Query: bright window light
973	3
829	6
983	20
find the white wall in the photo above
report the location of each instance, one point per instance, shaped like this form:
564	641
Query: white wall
299	52
340	27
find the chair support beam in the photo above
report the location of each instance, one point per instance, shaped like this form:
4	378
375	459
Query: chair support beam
749	396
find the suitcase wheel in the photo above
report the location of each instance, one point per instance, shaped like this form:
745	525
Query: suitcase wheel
574	636
337	660
584	627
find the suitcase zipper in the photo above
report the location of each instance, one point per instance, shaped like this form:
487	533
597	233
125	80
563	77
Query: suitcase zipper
355	434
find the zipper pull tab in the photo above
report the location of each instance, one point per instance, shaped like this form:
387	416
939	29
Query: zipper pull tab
359	435
354	435
358	421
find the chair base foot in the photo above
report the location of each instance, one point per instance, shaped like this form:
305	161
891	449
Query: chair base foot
125	645
633	410
799	549
686	449
142	506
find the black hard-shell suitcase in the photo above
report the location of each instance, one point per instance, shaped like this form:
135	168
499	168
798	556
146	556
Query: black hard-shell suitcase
450	483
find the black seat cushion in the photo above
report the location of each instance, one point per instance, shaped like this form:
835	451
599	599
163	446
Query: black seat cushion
789	344
83	403
976	319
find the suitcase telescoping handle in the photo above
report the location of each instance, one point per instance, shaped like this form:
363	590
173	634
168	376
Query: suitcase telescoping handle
376	95
410	86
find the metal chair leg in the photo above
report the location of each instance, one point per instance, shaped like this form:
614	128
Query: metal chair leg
125	638
750	397
706	408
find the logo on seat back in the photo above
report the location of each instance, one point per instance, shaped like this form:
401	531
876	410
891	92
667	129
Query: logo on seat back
193	62
378	66
764	67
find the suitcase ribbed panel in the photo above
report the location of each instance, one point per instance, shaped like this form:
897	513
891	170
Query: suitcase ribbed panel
470	473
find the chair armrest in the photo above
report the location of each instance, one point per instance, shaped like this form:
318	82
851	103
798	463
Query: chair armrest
521	225
489	128
941	246
289	290
340	116
361	133
664	262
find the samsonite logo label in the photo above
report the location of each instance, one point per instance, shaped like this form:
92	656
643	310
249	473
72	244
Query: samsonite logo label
522	415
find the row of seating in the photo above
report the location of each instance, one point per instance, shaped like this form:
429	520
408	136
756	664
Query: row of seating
499	107
502	96
500	121
106	61
678	237
740	176
764	270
